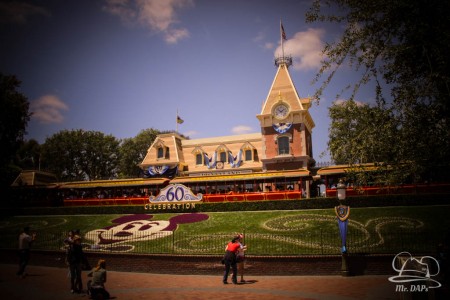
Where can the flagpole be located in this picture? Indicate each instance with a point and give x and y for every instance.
(281, 38)
(287, 61)
(176, 120)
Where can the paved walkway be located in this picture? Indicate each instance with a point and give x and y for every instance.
(53, 283)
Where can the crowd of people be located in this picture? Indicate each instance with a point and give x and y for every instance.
(76, 261)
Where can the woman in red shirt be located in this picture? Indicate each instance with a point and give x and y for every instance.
(230, 260)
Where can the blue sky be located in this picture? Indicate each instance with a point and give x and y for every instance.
(121, 66)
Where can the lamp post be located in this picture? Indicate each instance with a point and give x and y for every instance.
(342, 212)
(341, 191)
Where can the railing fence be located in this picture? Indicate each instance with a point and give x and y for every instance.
(280, 244)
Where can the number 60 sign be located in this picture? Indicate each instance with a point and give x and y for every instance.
(175, 193)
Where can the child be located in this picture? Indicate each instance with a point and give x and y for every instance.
(240, 256)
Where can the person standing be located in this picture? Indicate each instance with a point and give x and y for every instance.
(25, 241)
(230, 260)
(75, 259)
(240, 257)
(68, 243)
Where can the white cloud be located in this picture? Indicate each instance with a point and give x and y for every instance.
(48, 109)
(305, 48)
(173, 35)
(269, 46)
(342, 102)
(241, 129)
(190, 133)
(19, 12)
(260, 37)
(157, 15)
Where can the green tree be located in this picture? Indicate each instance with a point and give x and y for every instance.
(28, 155)
(403, 47)
(360, 133)
(81, 155)
(133, 151)
(14, 117)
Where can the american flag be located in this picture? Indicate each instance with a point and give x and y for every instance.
(283, 34)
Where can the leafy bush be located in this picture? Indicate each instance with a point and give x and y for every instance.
(313, 203)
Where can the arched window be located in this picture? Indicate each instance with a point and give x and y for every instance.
(222, 153)
(249, 153)
(283, 145)
(162, 151)
(199, 155)
(223, 156)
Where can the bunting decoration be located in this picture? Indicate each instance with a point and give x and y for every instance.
(235, 162)
(282, 127)
(161, 171)
(210, 163)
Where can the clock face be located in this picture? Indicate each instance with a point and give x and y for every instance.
(281, 111)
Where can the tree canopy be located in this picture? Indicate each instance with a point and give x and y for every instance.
(133, 151)
(28, 155)
(403, 47)
(81, 155)
(355, 133)
(14, 117)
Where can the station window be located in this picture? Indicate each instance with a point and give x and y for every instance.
(160, 152)
(223, 156)
(199, 159)
(248, 154)
(283, 145)
(222, 153)
(199, 156)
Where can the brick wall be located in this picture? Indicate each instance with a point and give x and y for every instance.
(210, 265)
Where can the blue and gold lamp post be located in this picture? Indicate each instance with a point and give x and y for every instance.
(342, 214)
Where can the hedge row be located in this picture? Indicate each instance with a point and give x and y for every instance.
(314, 203)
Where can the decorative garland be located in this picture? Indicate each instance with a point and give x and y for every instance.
(210, 163)
(158, 171)
(282, 127)
(232, 160)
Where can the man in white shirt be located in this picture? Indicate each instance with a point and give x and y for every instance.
(25, 242)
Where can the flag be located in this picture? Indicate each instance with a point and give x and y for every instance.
(179, 120)
(283, 34)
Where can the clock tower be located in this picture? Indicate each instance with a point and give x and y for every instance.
(286, 125)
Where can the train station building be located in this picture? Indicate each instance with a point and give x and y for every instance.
(278, 158)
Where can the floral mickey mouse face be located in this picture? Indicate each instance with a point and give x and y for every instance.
(135, 228)
(130, 231)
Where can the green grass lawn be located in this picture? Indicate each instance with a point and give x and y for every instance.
(371, 230)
